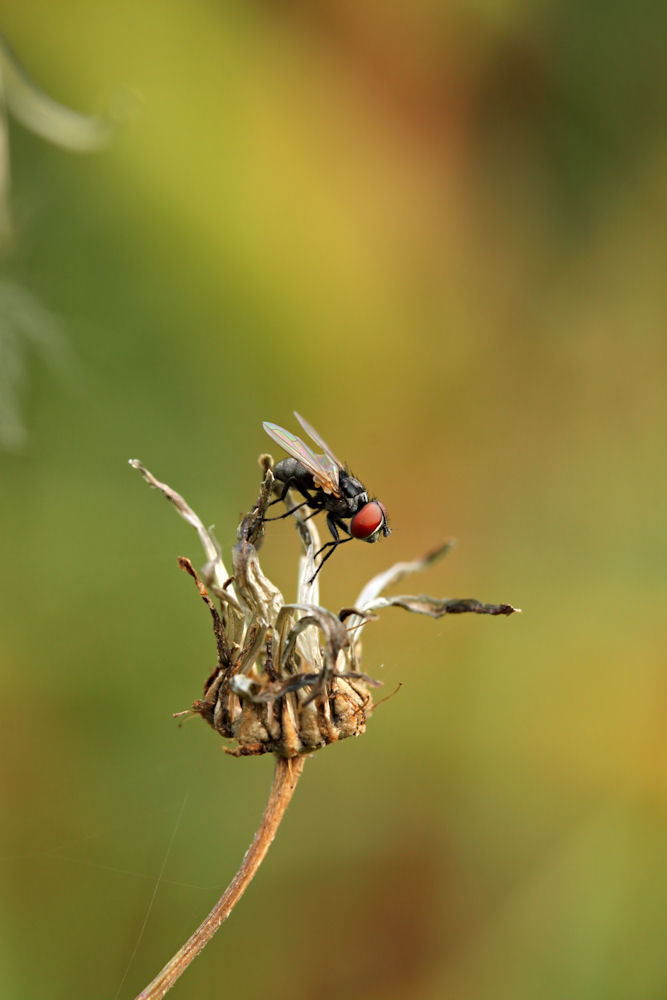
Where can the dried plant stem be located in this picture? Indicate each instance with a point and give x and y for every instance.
(285, 778)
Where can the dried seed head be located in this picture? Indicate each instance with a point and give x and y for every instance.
(286, 679)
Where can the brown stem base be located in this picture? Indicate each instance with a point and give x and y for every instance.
(285, 778)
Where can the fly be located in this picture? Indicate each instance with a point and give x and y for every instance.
(326, 484)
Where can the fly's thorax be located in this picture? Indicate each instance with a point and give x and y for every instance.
(354, 492)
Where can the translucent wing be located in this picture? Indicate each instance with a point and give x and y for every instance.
(321, 467)
(311, 432)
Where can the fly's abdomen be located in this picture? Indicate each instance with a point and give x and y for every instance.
(289, 470)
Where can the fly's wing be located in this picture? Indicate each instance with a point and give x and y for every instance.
(323, 471)
(311, 432)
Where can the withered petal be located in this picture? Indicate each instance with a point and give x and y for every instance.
(423, 604)
(398, 571)
(211, 547)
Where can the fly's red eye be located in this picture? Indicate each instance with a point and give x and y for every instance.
(367, 520)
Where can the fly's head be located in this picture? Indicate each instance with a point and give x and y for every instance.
(370, 522)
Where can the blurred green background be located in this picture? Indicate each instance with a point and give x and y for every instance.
(436, 231)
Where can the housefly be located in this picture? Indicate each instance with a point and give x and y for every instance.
(326, 484)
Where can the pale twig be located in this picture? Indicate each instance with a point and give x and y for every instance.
(285, 778)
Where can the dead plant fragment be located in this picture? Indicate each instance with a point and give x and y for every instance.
(287, 678)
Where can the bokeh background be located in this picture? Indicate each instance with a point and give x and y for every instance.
(436, 230)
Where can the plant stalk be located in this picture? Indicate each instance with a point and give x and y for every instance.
(285, 777)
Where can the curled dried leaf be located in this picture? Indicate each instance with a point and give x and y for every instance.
(399, 571)
(218, 625)
(253, 688)
(209, 543)
(257, 595)
(336, 638)
(422, 604)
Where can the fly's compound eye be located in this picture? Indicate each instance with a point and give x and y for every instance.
(368, 521)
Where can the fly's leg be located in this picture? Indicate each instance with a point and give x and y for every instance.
(333, 523)
(332, 546)
(282, 496)
(308, 502)
(304, 503)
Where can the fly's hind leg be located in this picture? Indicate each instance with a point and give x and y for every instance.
(308, 502)
(283, 494)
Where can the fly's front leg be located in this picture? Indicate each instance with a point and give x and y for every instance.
(333, 523)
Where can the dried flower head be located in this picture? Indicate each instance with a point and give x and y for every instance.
(287, 677)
